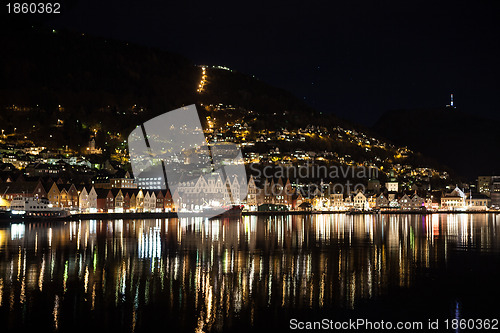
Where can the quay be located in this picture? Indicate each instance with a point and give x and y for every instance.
(5, 218)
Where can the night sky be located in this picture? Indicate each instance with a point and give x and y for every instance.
(356, 59)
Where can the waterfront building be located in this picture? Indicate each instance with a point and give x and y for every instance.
(495, 191)
(252, 192)
(478, 201)
(40, 190)
(235, 190)
(133, 202)
(297, 200)
(139, 201)
(92, 200)
(454, 200)
(417, 202)
(54, 195)
(160, 201)
(168, 202)
(382, 201)
(83, 200)
(282, 194)
(404, 202)
(150, 201)
(126, 202)
(119, 200)
(360, 201)
(146, 202)
(348, 203)
(372, 201)
(484, 185)
(68, 196)
(337, 201)
(105, 200)
(266, 195)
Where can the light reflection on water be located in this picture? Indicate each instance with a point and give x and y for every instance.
(205, 275)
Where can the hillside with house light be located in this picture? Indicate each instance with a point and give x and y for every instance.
(75, 98)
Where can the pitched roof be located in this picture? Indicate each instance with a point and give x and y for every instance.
(102, 193)
(18, 188)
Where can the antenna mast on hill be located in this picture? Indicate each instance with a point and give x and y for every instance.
(451, 102)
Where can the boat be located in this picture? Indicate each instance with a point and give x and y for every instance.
(35, 208)
(230, 211)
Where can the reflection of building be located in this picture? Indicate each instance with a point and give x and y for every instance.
(224, 272)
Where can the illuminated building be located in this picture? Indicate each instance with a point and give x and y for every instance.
(392, 184)
(483, 184)
(495, 191)
(454, 200)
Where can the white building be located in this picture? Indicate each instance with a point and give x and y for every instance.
(360, 201)
(454, 200)
(252, 192)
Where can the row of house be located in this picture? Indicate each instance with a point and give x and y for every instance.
(455, 200)
(210, 190)
(88, 198)
(119, 200)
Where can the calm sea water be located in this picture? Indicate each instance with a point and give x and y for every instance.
(249, 274)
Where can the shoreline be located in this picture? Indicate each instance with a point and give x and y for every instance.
(151, 215)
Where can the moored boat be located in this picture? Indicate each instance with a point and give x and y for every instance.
(35, 208)
(231, 211)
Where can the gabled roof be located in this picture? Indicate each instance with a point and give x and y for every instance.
(115, 192)
(102, 193)
(121, 174)
(456, 193)
(66, 187)
(130, 191)
(18, 188)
